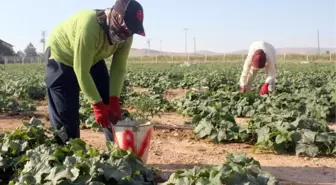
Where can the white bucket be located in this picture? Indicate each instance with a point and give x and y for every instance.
(136, 138)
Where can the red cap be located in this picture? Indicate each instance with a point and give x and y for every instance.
(259, 59)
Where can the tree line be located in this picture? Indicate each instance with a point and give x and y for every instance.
(29, 51)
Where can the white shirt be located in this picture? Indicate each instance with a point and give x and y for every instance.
(249, 72)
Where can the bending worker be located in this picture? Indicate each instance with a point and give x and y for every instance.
(261, 55)
(76, 50)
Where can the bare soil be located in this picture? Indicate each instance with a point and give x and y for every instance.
(172, 94)
(169, 94)
(173, 149)
(139, 89)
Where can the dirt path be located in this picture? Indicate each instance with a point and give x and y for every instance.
(174, 149)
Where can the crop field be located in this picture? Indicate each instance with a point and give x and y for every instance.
(205, 130)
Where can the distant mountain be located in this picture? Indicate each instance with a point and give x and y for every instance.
(206, 52)
(238, 52)
(304, 50)
(152, 52)
(280, 51)
(142, 52)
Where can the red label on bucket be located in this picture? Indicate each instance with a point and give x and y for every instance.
(128, 142)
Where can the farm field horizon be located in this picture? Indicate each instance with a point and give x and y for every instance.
(200, 118)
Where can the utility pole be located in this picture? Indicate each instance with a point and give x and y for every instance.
(43, 40)
(148, 46)
(160, 47)
(186, 40)
(195, 45)
(318, 42)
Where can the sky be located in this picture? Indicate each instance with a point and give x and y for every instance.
(216, 25)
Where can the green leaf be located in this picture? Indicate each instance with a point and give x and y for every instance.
(280, 139)
(296, 137)
(203, 129)
(307, 149)
(111, 173)
(196, 118)
(96, 183)
(308, 137)
(59, 173)
(222, 135)
(263, 134)
(266, 179)
(322, 137)
(70, 161)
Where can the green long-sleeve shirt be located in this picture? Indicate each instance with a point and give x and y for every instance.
(80, 42)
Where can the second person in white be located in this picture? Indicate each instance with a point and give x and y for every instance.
(261, 55)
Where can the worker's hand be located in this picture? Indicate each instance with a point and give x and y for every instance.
(101, 113)
(243, 89)
(115, 109)
(264, 89)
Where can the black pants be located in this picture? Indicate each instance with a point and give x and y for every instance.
(63, 95)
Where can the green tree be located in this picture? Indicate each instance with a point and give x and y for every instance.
(20, 54)
(30, 51)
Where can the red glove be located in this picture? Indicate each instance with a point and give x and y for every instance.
(264, 89)
(114, 108)
(101, 113)
(243, 88)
